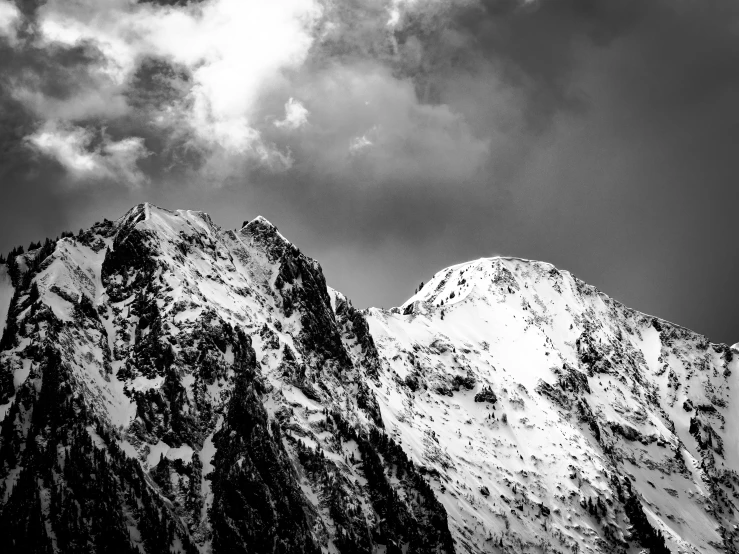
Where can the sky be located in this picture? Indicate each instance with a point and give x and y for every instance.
(389, 139)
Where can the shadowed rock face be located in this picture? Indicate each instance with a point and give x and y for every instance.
(167, 386)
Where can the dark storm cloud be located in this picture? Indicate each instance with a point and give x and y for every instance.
(403, 136)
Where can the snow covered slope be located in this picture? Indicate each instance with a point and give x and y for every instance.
(169, 386)
(531, 397)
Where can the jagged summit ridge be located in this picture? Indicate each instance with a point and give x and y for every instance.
(226, 399)
(149, 212)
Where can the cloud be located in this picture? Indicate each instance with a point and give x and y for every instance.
(86, 103)
(455, 93)
(10, 18)
(439, 91)
(296, 115)
(86, 157)
(358, 144)
(199, 79)
(234, 50)
(368, 124)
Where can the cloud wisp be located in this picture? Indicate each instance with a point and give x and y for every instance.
(87, 159)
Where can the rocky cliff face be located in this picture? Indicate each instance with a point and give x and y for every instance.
(167, 386)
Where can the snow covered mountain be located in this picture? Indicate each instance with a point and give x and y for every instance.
(553, 417)
(167, 386)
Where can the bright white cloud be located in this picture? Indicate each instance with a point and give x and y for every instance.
(73, 148)
(236, 50)
(296, 115)
(10, 18)
(398, 7)
(359, 143)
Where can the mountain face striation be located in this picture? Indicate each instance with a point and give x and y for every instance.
(168, 386)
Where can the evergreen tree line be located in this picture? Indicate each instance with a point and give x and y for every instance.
(419, 520)
(646, 535)
(89, 497)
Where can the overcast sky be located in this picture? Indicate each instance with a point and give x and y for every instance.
(389, 139)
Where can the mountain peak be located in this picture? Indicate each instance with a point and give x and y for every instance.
(459, 281)
(261, 221)
(143, 210)
(226, 396)
(263, 229)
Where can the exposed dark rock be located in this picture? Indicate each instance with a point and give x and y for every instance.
(486, 395)
(626, 431)
(553, 394)
(257, 500)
